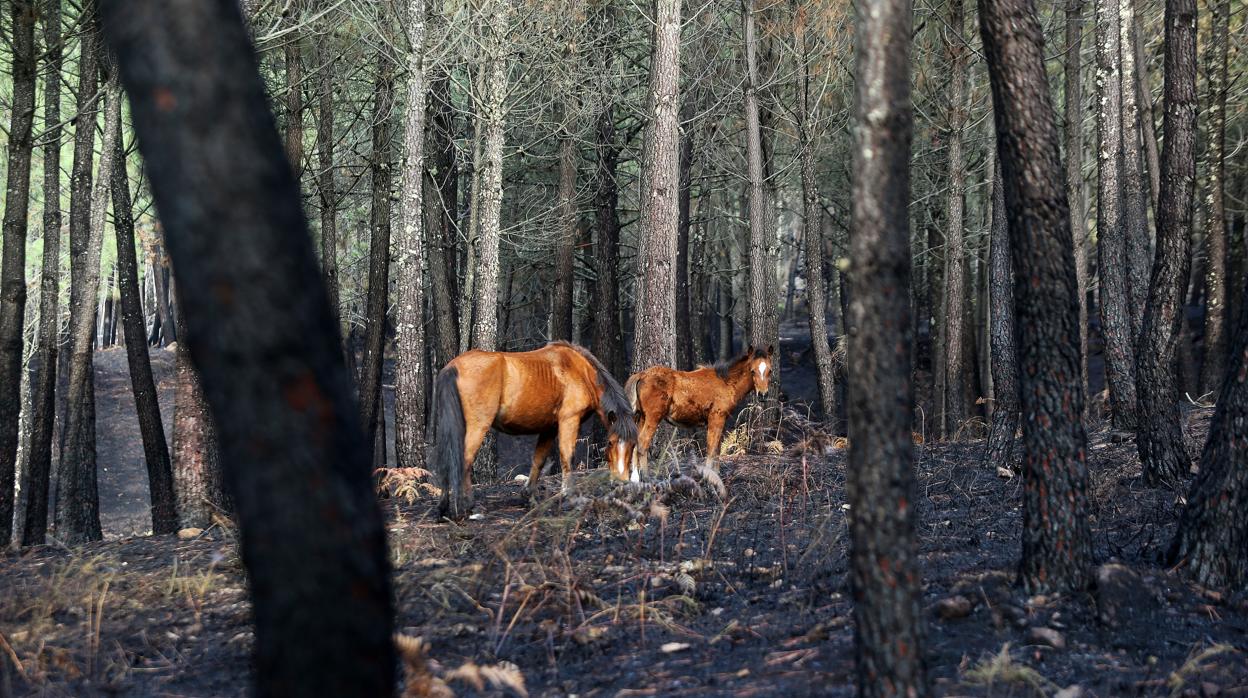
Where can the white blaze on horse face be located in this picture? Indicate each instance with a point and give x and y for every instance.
(621, 465)
(762, 369)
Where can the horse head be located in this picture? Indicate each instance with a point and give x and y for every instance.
(761, 367)
(621, 440)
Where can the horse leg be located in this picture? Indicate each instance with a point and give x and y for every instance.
(569, 427)
(474, 434)
(544, 444)
(714, 432)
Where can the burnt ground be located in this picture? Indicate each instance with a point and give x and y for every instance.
(618, 594)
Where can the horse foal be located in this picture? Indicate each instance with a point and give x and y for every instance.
(702, 397)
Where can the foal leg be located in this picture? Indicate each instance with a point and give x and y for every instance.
(544, 444)
(569, 427)
(714, 433)
(645, 435)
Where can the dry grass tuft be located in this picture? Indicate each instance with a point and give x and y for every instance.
(1001, 668)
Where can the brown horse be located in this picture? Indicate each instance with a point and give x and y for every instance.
(705, 396)
(547, 391)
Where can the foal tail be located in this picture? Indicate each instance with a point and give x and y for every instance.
(448, 450)
(631, 389)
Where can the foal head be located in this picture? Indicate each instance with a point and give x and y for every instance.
(761, 368)
(621, 440)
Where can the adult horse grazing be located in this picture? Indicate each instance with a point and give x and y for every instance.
(547, 391)
(705, 396)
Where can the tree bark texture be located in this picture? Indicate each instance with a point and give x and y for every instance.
(199, 480)
(884, 569)
(1001, 332)
(608, 344)
(1135, 206)
(1075, 191)
(325, 177)
(953, 410)
(1216, 237)
(1159, 433)
(565, 246)
(259, 328)
(442, 233)
(1057, 545)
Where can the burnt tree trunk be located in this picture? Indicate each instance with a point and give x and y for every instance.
(325, 56)
(565, 245)
(199, 481)
(1159, 432)
(654, 343)
(1115, 303)
(1135, 208)
(37, 473)
(1075, 191)
(155, 449)
(409, 316)
(294, 89)
(1216, 237)
(78, 501)
(952, 405)
(442, 197)
(371, 403)
(1001, 332)
(683, 329)
(296, 462)
(608, 344)
(884, 568)
(13, 257)
(1057, 545)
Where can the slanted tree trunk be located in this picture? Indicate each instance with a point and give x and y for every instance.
(325, 57)
(812, 222)
(953, 409)
(409, 318)
(1213, 369)
(155, 449)
(1115, 305)
(1001, 332)
(1159, 432)
(371, 403)
(884, 567)
(1135, 208)
(608, 344)
(13, 257)
(565, 245)
(312, 534)
(1057, 545)
(655, 343)
(1211, 543)
(78, 502)
(1073, 111)
(37, 473)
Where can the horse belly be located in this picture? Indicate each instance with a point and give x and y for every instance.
(529, 402)
(687, 413)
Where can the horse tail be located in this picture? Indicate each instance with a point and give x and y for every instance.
(632, 389)
(448, 434)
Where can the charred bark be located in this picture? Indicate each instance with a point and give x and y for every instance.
(1216, 238)
(565, 247)
(1001, 333)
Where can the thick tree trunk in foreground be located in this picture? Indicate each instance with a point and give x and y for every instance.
(884, 569)
(409, 313)
(812, 230)
(1075, 191)
(1159, 432)
(155, 449)
(1212, 540)
(371, 403)
(1216, 331)
(13, 257)
(37, 473)
(952, 405)
(1115, 303)
(296, 462)
(655, 343)
(78, 501)
(1001, 332)
(608, 344)
(1057, 545)
(565, 246)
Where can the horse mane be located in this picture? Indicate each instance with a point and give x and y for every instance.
(724, 368)
(613, 399)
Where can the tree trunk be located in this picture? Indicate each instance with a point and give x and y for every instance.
(379, 247)
(294, 91)
(36, 474)
(1057, 544)
(683, 328)
(155, 449)
(1159, 435)
(565, 245)
(1144, 98)
(1135, 206)
(409, 319)
(1115, 305)
(1209, 543)
(78, 501)
(325, 178)
(1074, 178)
(654, 343)
(884, 568)
(270, 360)
(13, 259)
(198, 478)
(442, 197)
(1001, 329)
(492, 117)
(1213, 370)
(952, 406)
(812, 224)
(608, 343)
(764, 323)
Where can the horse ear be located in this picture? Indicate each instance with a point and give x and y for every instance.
(771, 348)
(751, 351)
